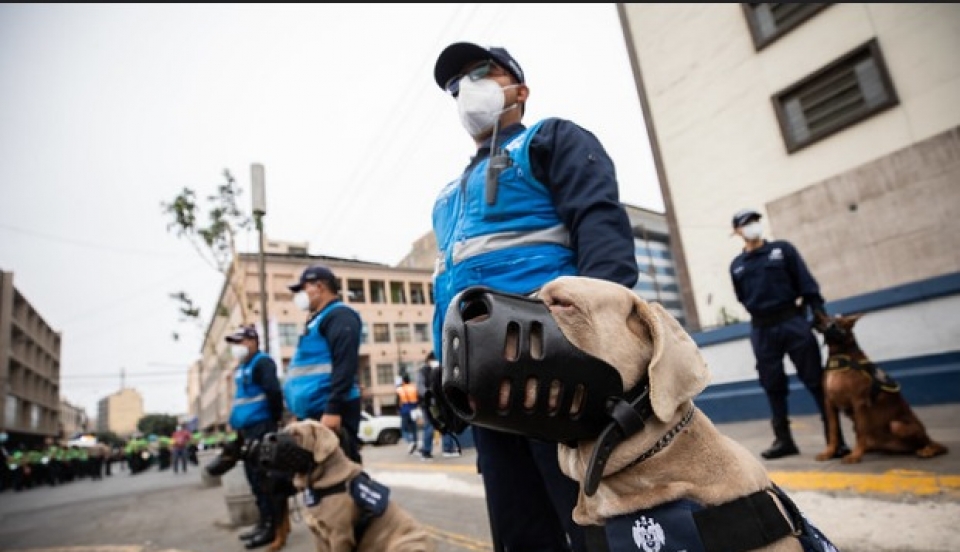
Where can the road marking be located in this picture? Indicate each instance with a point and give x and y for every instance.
(893, 482)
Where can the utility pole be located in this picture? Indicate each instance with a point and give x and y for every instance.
(259, 195)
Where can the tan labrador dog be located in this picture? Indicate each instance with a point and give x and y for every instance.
(334, 516)
(679, 454)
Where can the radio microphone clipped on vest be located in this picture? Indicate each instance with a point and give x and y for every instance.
(498, 162)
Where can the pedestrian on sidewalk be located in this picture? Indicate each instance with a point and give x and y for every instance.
(180, 447)
(407, 399)
(423, 383)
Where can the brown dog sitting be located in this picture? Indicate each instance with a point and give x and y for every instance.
(346, 510)
(852, 384)
(588, 353)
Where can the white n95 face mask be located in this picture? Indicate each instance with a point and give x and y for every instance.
(752, 231)
(480, 103)
(302, 301)
(238, 351)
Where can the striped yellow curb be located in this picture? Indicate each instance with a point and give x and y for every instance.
(893, 482)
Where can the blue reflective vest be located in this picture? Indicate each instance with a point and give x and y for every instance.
(306, 387)
(515, 245)
(250, 404)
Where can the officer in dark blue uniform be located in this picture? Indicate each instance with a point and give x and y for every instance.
(773, 283)
(533, 204)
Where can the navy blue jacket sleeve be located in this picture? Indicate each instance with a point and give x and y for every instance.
(342, 328)
(265, 375)
(807, 286)
(573, 164)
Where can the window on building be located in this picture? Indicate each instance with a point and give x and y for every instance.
(366, 379)
(430, 293)
(402, 331)
(364, 333)
(398, 294)
(386, 374)
(421, 332)
(847, 91)
(770, 21)
(417, 295)
(378, 291)
(355, 293)
(381, 333)
(289, 334)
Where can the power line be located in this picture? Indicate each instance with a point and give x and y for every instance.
(88, 245)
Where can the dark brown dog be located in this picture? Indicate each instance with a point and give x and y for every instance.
(282, 531)
(882, 419)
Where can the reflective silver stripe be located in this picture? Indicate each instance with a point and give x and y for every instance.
(307, 370)
(493, 242)
(258, 398)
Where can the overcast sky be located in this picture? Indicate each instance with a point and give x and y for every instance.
(108, 110)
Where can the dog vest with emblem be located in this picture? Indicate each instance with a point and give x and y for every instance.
(743, 524)
(371, 497)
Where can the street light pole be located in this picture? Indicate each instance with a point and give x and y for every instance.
(260, 209)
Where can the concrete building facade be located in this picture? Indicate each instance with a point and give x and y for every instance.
(395, 303)
(29, 369)
(120, 412)
(840, 123)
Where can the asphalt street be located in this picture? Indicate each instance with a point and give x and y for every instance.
(886, 503)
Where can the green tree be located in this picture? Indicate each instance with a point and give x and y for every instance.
(214, 241)
(157, 424)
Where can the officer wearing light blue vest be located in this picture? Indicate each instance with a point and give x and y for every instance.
(257, 410)
(533, 204)
(321, 381)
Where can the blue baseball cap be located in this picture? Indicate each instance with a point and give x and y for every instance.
(315, 273)
(456, 56)
(245, 332)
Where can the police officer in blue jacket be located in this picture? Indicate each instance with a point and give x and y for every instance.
(321, 381)
(257, 410)
(773, 283)
(533, 204)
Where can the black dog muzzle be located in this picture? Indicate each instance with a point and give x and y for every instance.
(280, 451)
(507, 366)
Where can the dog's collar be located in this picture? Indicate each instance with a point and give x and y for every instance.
(594, 471)
(628, 419)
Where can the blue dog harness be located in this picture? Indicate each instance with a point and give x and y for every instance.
(370, 496)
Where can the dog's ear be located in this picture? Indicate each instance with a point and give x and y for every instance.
(325, 442)
(677, 371)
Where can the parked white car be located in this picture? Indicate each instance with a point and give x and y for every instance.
(379, 430)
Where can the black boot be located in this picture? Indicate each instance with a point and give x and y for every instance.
(264, 537)
(783, 444)
(253, 531)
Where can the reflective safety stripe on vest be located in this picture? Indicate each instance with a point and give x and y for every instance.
(306, 386)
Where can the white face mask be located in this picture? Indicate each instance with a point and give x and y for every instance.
(433, 363)
(751, 231)
(238, 351)
(302, 300)
(480, 103)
